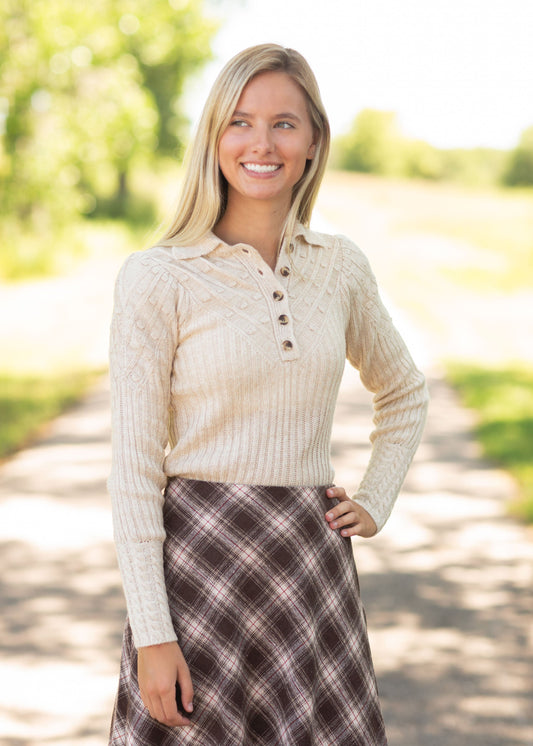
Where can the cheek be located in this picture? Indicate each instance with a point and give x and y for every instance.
(225, 161)
(298, 151)
(300, 157)
(224, 148)
(229, 146)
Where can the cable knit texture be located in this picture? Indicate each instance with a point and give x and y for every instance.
(224, 370)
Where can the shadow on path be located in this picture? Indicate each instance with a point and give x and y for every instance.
(62, 608)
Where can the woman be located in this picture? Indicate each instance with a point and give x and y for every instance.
(228, 345)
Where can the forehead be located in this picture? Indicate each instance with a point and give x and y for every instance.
(273, 89)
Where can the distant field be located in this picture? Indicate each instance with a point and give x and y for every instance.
(496, 221)
(458, 262)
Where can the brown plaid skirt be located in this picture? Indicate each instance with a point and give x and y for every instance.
(265, 601)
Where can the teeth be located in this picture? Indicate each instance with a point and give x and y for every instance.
(261, 168)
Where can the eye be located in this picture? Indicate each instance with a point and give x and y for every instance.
(284, 125)
(238, 123)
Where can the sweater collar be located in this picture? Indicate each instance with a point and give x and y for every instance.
(210, 242)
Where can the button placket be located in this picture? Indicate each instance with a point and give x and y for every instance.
(285, 330)
(277, 300)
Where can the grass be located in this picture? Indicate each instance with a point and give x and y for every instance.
(28, 402)
(47, 342)
(496, 221)
(48, 357)
(47, 369)
(503, 401)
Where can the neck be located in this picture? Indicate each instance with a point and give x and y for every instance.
(256, 224)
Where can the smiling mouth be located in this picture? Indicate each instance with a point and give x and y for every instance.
(262, 168)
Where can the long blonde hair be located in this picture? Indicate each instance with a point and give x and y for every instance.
(204, 195)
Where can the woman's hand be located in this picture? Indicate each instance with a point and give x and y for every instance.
(158, 669)
(349, 516)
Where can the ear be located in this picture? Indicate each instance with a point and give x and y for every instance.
(311, 152)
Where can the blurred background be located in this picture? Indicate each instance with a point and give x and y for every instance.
(432, 114)
(431, 105)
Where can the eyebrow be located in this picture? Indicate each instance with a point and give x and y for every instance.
(281, 115)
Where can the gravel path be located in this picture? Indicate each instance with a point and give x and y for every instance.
(447, 585)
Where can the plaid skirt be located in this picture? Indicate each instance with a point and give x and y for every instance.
(265, 601)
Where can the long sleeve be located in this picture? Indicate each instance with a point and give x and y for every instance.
(142, 349)
(386, 368)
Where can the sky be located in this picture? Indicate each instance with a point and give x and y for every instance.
(458, 73)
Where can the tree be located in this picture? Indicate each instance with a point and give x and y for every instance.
(376, 145)
(520, 168)
(373, 145)
(86, 90)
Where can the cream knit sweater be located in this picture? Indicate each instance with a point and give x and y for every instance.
(226, 371)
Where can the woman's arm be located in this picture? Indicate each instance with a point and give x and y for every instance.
(377, 350)
(143, 345)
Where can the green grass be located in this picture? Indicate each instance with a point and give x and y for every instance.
(55, 370)
(28, 402)
(503, 401)
(497, 221)
(43, 376)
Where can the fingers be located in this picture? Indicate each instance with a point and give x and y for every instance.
(159, 668)
(184, 688)
(171, 716)
(163, 708)
(348, 516)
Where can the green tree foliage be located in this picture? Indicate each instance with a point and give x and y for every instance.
(520, 168)
(86, 90)
(372, 145)
(375, 144)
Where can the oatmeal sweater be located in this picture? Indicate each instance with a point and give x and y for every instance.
(227, 371)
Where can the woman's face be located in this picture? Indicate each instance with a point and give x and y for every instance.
(264, 150)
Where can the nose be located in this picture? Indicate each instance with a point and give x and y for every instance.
(263, 140)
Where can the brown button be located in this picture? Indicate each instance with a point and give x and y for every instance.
(283, 319)
(291, 248)
(260, 271)
(246, 251)
(285, 271)
(277, 295)
(287, 344)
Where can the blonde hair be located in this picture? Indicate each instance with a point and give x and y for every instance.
(204, 195)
